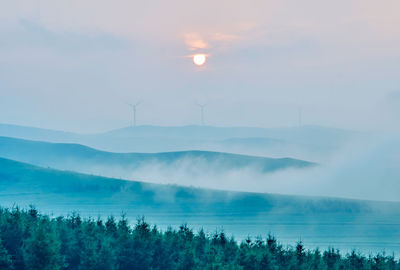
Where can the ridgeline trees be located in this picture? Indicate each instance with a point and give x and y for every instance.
(30, 241)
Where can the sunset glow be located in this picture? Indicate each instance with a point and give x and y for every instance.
(199, 59)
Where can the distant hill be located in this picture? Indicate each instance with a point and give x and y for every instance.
(40, 134)
(84, 159)
(306, 142)
(295, 134)
(240, 213)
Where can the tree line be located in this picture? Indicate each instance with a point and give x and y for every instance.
(30, 240)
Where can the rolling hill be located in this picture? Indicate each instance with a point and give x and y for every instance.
(34, 133)
(306, 142)
(88, 160)
(367, 225)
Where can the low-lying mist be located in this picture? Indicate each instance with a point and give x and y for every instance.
(366, 169)
(361, 166)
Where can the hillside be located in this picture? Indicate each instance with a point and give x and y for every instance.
(289, 217)
(84, 159)
(22, 177)
(34, 133)
(307, 142)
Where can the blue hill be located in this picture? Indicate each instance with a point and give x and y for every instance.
(368, 225)
(307, 142)
(82, 158)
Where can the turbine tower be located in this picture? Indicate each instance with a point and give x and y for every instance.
(134, 112)
(202, 106)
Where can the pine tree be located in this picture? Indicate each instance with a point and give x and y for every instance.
(13, 235)
(300, 254)
(267, 262)
(42, 249)
(5, 258)
(331, 258)
(316, 261)
(187, 260)
(354, 261)
(96, 251)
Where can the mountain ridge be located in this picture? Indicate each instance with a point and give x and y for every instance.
(77, 156)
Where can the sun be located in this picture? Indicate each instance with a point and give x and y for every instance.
(199, 59)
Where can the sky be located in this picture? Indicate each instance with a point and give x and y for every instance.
(76, 65)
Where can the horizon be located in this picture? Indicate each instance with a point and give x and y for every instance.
(181, 126)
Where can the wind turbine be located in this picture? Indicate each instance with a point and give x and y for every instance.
(134, 112)
(202, 106)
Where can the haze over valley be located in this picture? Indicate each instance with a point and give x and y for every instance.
(362, 162)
